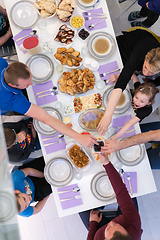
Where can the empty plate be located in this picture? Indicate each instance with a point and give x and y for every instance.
(43, 128)
(7, 209)
(124, 102)
(101, 187)
(131, 156)
(24, 14)
(58, 172)
(101, 45)
(41, 67)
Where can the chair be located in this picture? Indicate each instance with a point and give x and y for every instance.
(130, 5)
(7, 52)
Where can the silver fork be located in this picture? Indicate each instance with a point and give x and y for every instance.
(89, 14)
(89, 18)
(104, 74)
(129, 180)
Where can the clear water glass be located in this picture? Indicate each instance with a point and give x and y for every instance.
(42, 24)
(59, 68)
(100, 84)
(78, 176)
(84, 51)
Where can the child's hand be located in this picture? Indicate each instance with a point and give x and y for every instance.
(30, 125)
(113, 78)
(94, 216)
(21, 136)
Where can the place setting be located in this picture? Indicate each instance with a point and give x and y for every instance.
(88, 4)
(106, 70)
(130, 180)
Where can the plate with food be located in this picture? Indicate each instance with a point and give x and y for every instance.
(69, 58)
(78, 157)
(58, 172)
(77, 81)
(131, 156)
(46, 9)
(124, 102)
(65, 35)
(101, 187)
(43, 128)
(65, 10)
(90, 118)
(87, 102)
(23, 14)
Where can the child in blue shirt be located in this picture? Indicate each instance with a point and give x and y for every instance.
(30, 185)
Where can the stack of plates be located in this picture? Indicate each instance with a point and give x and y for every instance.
(121, 108)
(91, 45)
(131, 156)
(41, 67)
(101, 187)
(43, 128)
(7, 209)
(58, 172)
(24, 14)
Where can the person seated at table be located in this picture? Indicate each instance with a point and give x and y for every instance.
(29, 186)
(150, 133)
(5, 30)
(21, 140)
(140, 52)
(127, 225)
(14, 78)
(143, 98)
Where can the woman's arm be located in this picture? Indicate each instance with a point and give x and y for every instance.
(124, 129)
(38, 207)
(112, 103)
(32, 172)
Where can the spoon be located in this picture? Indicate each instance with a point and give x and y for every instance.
(50, 89)
(93, 25)
(76, 197)
(59, 136)
(33, 32)
(129, 180)
(121, 171)
(75, 189)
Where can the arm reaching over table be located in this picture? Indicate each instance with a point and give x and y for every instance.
(113, 146)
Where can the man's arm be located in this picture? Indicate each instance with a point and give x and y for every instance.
(43, 116)
(113, 146)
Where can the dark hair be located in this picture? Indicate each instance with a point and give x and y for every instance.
(119, 236)
(17, 202)
(9, 136)
(15, 71)
(149, 89)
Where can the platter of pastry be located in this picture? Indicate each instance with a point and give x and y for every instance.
(65, 9)
(65, 35)
(77, 81)
(69, 58)
(46, 8)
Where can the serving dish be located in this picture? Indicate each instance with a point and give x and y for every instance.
(101, 187)
(121, 108)
(46, 9)
(90, 118)
(99, 35)
(65, 35)
(131, 156)
(58, 172)
(43, 128)
(23, 14)
(41, 67)
(79, 148)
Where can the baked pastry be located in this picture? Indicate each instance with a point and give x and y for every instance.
(62, 14)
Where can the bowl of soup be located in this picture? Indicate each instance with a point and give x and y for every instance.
(102, 45)
(86, 3)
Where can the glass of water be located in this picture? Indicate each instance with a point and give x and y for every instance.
(59, 68)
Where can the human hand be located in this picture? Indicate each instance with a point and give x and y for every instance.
(113, 78)
(103, 124)
(111, 146)
(87, 140)
(30, 125)
(94, 216)
(104, 158)
(134, 78)
(21, 136)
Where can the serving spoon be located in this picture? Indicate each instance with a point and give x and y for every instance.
(33, 32)
(93, 24)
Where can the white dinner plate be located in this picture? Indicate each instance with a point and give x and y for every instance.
(24, 14)
(41, 67)
(121, 108)
(131, 156)
(58, 172)
(43, 128)
(101, 187)
(7, 210)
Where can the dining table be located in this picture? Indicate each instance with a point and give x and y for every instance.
(145, 183)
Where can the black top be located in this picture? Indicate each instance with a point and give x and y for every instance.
(133, 47)
(20, 152)
(143, 112)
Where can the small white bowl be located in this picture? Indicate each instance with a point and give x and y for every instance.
(76, 15)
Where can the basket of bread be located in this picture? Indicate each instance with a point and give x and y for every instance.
(46, 8)
(65, 9)
(76, 81)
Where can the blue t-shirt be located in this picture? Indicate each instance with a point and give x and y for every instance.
(11, 99)
(25, 185)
